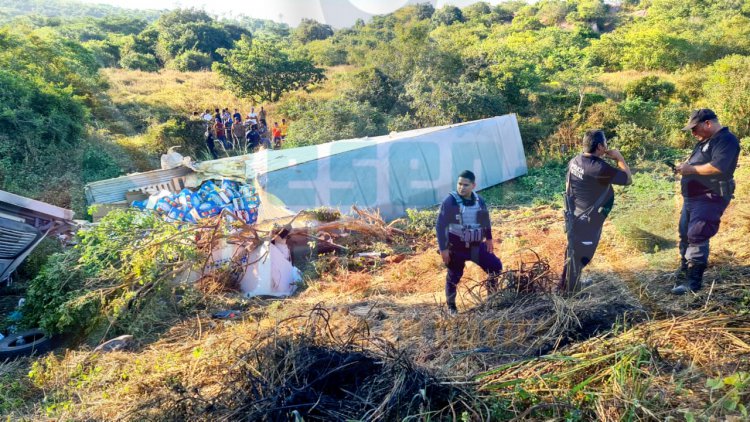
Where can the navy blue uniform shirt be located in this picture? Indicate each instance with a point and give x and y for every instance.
(590, 177)
(721, 150)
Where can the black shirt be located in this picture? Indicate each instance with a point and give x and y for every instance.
(721, 150)
(590, 178)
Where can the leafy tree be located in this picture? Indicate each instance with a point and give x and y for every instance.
(189, 29)
(263, 69)
(311, 30)
(408, 14)
(264, 26)
(442, 102)
(477, 10)
(579, 80)
(327, 52)
(644, 47)
(505, 11)
(373, 86)
(552, 12)
(106, 52)
(122, 24)
(588, 11)
(447, 15)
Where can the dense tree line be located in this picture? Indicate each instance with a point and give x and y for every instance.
(421, 67)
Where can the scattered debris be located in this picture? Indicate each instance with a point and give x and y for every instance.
(230, 314)
(116, 344)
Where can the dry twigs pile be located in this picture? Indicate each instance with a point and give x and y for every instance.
(624, 374)
(512, 325)
(532, 274)
(302, 370)
(364, 226)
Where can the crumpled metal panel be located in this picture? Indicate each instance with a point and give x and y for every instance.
(114, 190)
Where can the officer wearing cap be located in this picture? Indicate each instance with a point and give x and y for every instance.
(590, 199)
(707, 187)
(464, 234)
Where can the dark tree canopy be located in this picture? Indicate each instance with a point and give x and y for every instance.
(447, 15)
(311, 30)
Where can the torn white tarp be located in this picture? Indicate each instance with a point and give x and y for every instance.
(270, 272)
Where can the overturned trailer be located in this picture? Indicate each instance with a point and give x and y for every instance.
(24, 223)
(390, 173)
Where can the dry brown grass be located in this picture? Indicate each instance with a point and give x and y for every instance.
(183, 92)
(632, 375)
(186, 92)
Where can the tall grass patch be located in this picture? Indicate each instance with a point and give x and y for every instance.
(645, 213)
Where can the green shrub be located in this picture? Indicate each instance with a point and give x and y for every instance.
(117, 264)
(139, 61)
(191, 61)
(327, 52)
(176, 131)
(650, 88)
(727, 91)
(421, 222)
(97, 164)
(633, 141)
(316, 122)
(640, 112)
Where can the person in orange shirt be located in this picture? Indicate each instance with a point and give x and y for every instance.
(276, 134)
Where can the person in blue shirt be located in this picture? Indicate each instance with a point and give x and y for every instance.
(589, 185)
(707, 186)
(464, 234)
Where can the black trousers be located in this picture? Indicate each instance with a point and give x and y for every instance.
(490, 263)
(582, 242)
(699, 222)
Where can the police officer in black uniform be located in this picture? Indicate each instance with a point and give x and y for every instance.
(590, 199)
(707, 187)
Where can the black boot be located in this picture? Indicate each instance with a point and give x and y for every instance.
(694, 279)
(451, 301)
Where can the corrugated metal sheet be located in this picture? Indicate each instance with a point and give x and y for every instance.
(15, 238)
(114, 190)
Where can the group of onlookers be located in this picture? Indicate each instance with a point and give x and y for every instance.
(248, 135)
